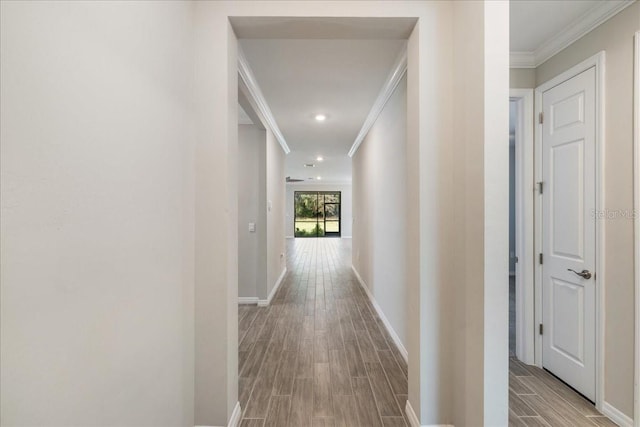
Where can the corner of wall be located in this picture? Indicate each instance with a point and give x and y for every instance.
(274, 290)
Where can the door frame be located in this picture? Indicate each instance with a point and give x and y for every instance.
(636, 197)
(525, 339)
(339, 233)
(598, 62)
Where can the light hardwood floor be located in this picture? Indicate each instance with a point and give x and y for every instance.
(319, 355)
(537, 398)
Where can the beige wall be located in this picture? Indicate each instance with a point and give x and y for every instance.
(429, 129)
(522, 78)
(460, 371)
(251, 209)
(260, 181)
(615, 37)
(216, 216)
(379, 234)
(430, 254)
(97, 218)
(480, 215)
(276, 196)
(107, 174)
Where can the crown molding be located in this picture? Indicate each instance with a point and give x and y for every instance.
(522, 60)
(261, 103)
(398, 71)
(586, 23)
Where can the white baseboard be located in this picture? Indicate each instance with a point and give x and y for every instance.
(413, 418)
(394, 335)
(248, 300)
(266, 302)
(346, 237)
(236, 415)
(615, 415)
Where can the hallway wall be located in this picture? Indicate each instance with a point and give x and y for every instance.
(379, 205)
(522, 78)
(346, 205)
(97, 248)
(103, 191)
(276, 243)
(512, 208)
(252, 195)
(480, 212)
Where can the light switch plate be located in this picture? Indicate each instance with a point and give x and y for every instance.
(252, 227)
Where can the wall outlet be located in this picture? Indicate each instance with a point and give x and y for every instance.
(252, 227)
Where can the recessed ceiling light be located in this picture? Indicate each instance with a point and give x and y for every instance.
(321, 117)
(318, 178)
(319, 158)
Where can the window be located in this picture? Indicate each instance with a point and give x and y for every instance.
(317, 213)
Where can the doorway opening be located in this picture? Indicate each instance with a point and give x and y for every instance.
(563, 334)
(513, 258)
(317, 213)
(521, 226)
(287, 348)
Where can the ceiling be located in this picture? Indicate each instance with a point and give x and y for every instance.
(276, 27)
(338, 78)
(527, 34)
(337, 67)
(540, 29)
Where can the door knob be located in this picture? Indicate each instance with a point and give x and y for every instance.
(585, 274)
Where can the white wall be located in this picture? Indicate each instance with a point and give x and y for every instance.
(97, 210)
(481, 214)
(276, 260)
(97, 214)
(251, 209)
(380, 208)
(216, 217)
(345, 205)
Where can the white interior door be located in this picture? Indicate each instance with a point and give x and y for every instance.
(568, 232)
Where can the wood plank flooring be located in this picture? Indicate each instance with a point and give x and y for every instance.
(319, 355)
(537, 398)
